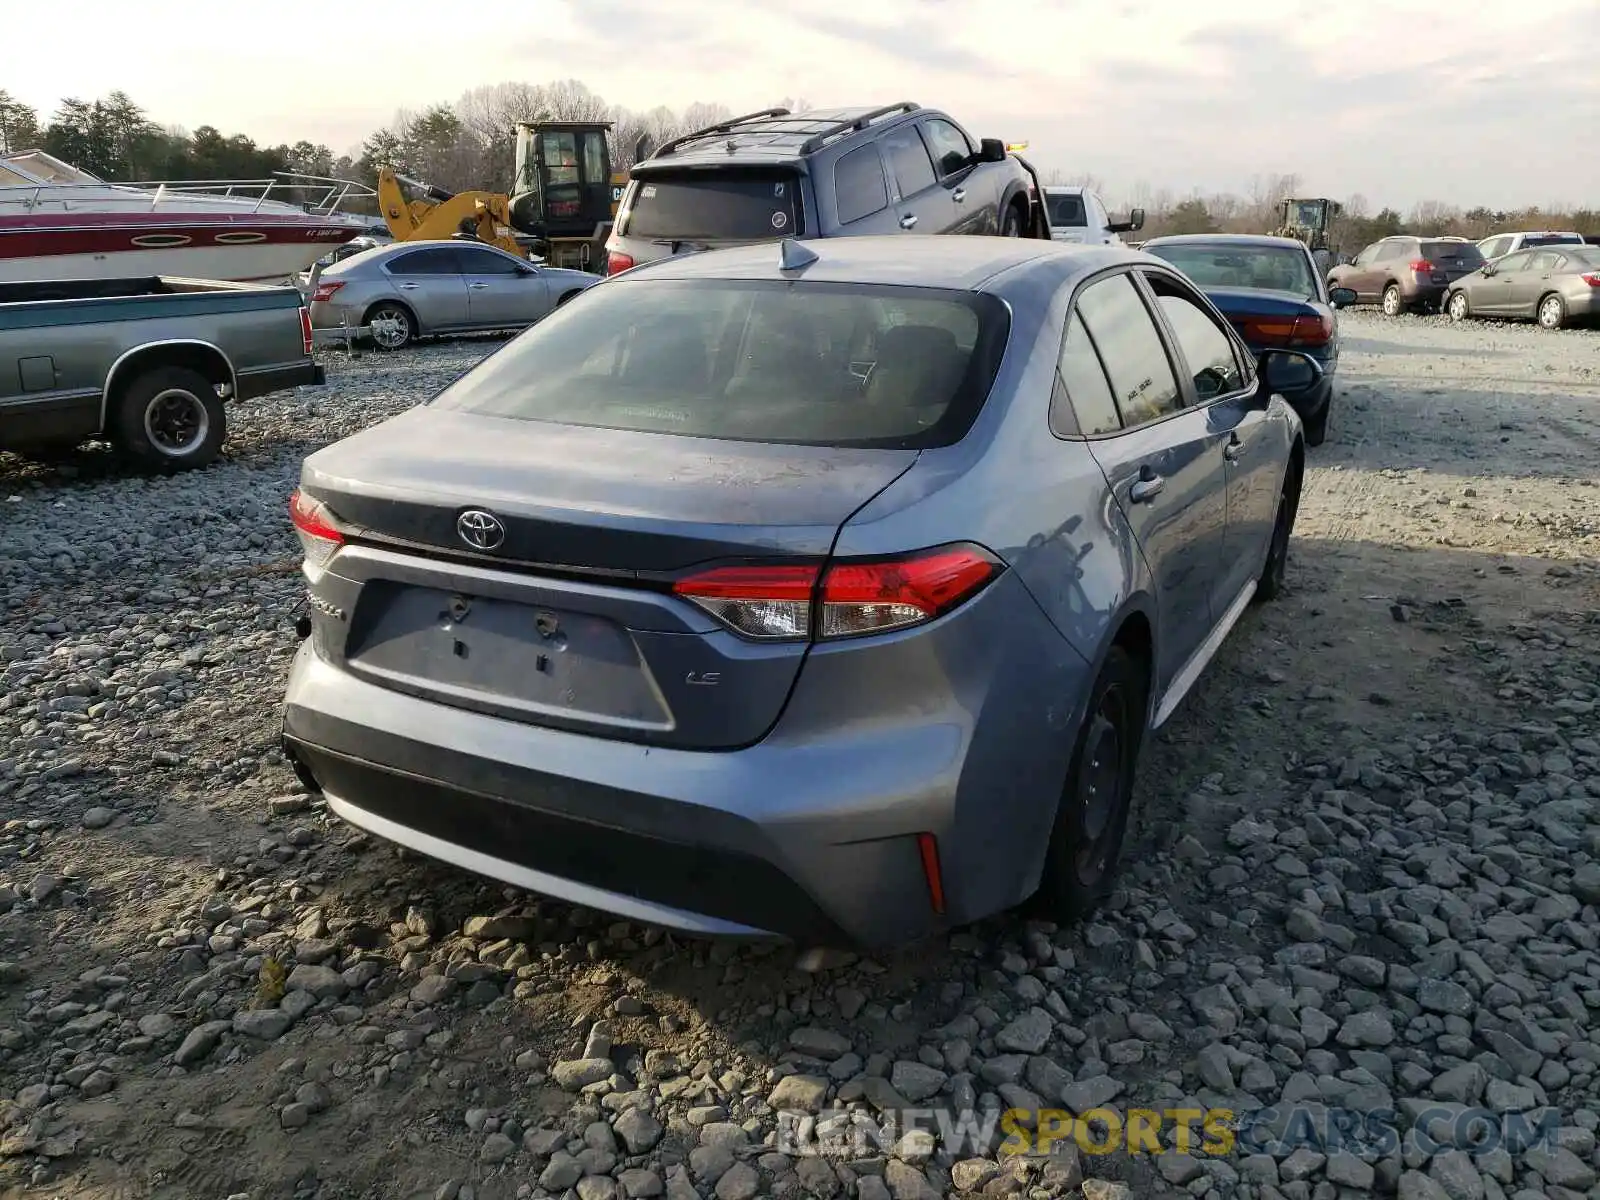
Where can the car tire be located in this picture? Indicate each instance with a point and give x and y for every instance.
(1552, 312)
(1011, 222)
(171, 418)
(1393, 304)
(1275, 571)
(1097, 798)
(398, 327)
(1457, 306)
(565, 296)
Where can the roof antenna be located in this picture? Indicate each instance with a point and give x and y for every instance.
(792, 256)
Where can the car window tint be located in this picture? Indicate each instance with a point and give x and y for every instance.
(1513, 262)
(908, 159)
(1081, 403)
(437, 261)
(1545, 260)
(1136, 361)
(484, 262)
(951, 153)
(859, 188)
(712, 205)
(1206, 349)
(753, 360)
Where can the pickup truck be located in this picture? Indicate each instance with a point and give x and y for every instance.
(147, 363)
(1077, 214)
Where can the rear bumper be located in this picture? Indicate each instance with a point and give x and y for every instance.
(277, 379)
(809, 834)
(1583, 305)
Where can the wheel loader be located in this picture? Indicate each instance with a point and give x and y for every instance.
(563, 199)
(1308, 221)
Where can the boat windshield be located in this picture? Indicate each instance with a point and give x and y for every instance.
(40, 167)
(10, 178)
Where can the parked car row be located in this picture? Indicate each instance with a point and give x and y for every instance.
(822, 589)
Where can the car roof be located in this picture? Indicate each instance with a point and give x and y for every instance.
(927, 260)
(1233, 239)
(1063, 189)
(777, 136)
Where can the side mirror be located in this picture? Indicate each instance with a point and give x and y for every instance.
(1136, 219)
(1488, 269)
(1288, 370)
(1341, 297)
(529, 270)
(991, 150)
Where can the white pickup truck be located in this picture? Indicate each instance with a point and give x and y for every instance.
(1077, 214)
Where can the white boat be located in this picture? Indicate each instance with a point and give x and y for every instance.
(59, 222)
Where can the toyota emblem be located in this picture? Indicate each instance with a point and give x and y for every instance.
(480, 530)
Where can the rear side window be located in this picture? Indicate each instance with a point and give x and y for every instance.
(1457, 253)
(715, 206)
(1136, 361)
(437, 261)
(1065, 210)
(908, 159)
(752, 360)
(859, 188)
(1082, 404)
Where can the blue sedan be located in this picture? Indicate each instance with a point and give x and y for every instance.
(824, 590)
(1269, 288)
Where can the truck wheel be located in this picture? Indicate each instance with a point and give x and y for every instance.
(170, 417)
(1011, 222)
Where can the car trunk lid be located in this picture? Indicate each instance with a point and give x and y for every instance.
(562, 614)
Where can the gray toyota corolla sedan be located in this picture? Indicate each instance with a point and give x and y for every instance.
(815, 589)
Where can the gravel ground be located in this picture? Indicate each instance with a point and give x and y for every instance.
(1366, 877)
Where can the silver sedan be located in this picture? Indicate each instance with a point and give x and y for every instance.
(409, 290)
(1553, 285)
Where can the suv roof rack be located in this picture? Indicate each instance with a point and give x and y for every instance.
(816, 140)
(781, 121)
(727, 126)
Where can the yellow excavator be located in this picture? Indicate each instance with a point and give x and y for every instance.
(561, 207)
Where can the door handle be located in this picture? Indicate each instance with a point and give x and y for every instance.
(477, 287)
(959, 195)
(1146, 487)
(409, 287)
(908, 221)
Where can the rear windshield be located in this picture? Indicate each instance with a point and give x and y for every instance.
(1551, 239)
(1460, 251)
(752, 360)
(715, 206)
(1065, 210)
(1273, 268)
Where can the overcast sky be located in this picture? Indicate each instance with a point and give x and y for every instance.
(1495, 102)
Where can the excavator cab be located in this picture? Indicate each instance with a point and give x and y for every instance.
(563, 189)
(1309, 221)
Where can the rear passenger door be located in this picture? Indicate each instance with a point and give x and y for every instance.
(861, 194)
(1162, 459)
(921, 204)
(1217, 377)
(974, 192)
(430, 284)
(1534, 282)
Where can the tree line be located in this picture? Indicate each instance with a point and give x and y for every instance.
(470, 144)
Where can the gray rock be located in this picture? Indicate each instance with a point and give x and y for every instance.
(433, 989)
(576, 1074)
(98, 817)
(320, 981)
(1457, 1174)
(1560, 1167)
(738, 1182)
(496, 1148)
(638, 1130)
(819, 1043)
(266, 1024)
(561, 1172)
(916, 1081)
(157, 1026)
(1085, 1094)
(200, 1042)
(1445, 996)
(1028, 1034)
(1370, 1028)
(1414, 1185)
(799, 1093)
(640, 1183)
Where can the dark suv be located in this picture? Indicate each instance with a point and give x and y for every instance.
(1405, 272)
(828, 173)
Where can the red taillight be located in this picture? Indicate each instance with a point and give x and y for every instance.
(1422, 266)
(325, 292)
(847, 600)
(305, 330)
(928, 848)
(617, 263)
(1307, 329)
(1592, 278)
(320, 535)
